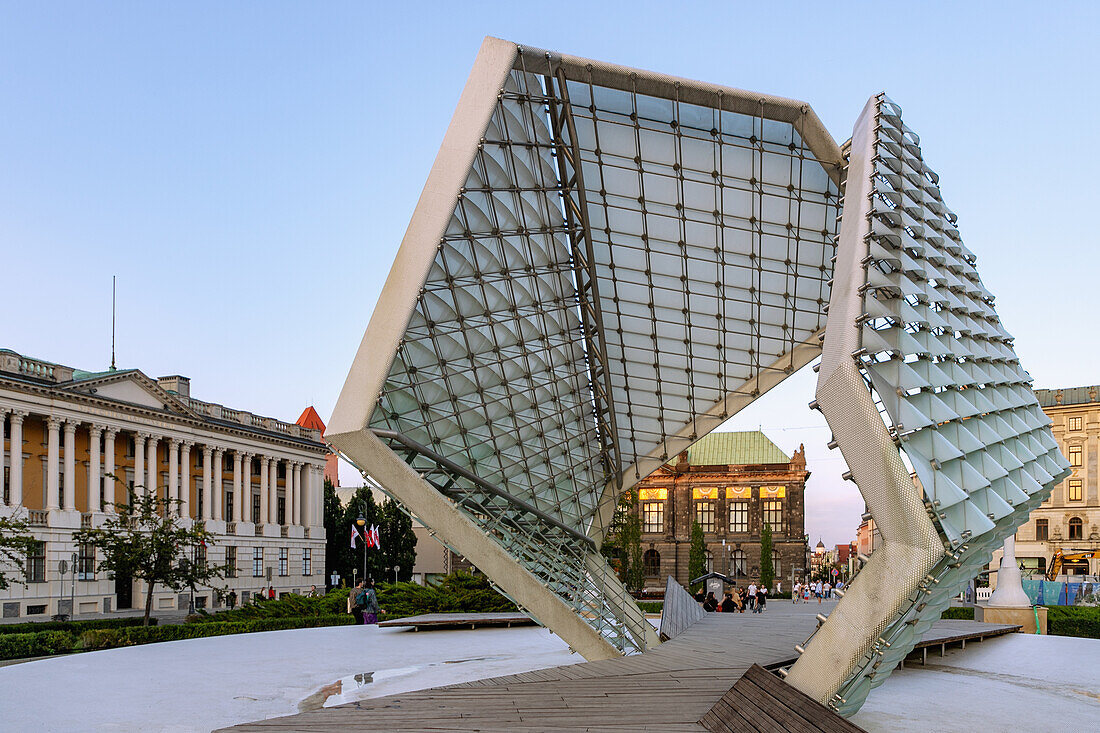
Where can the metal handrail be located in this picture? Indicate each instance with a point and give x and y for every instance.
(481, 483)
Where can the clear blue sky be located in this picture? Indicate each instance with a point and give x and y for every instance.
(248, 169)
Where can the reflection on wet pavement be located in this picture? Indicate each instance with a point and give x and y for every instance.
(354, 687)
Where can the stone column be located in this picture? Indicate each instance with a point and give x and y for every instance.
(265, 465)
(139, 462)
(307, 495)
(208, 483)
(172, 490)
(17, 457)
(109, 494)
(294, 481)
(237, 479)
(70, 465)
(3, 420)
(95, 480)
(217, 490)
(151, 466)
(185, 479)
(53, 452)
(246, 488)
(273, 491)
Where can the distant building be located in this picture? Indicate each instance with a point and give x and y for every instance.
(820, 559)
(310, 420)
(731, 484)
(867, 535)
(255, 482)
(1070, 519)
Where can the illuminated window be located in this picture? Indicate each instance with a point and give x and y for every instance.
(1042, 530)
(739, 516)
(1075, 423)
(704, 515)
(652, 494)
(773, 492)
(743, 492)
(653, 516)
(773, 515)
(1075, 455)
(1076, 529)
(704, 492)
(1073, 489)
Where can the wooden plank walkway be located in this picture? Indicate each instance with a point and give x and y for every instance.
(669, 688)
(460, 620)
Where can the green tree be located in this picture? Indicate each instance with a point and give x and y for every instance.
(334, 541)
(15, 544)
(767, 570)
(697, 557)
(398, 541)
(362, 504)
(145, 539)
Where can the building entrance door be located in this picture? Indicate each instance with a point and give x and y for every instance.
(124, 591)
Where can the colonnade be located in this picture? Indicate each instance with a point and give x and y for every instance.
(303, 482)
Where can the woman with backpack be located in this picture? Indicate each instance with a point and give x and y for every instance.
(366, 602)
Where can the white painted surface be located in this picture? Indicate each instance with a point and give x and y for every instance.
(1019, 682)
(201, 684)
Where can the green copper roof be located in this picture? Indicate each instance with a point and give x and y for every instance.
(750, 446)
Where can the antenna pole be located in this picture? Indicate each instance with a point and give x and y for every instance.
(113, 322)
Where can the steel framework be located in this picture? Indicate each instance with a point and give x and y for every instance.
(606, 264)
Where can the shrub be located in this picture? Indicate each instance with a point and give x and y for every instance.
(959, 612)
(651, 606)
(34, 627)
(41, 644)
(1082, 621)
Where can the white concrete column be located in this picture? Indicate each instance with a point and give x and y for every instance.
(139, 463)
(307, 495)
(265, 465)
(185, 479)
(70, 465)
(217, 490)
(151, 466)
(172, 490)
(17, 457)
(245, 489)
(53, 453)
(237, 479)
(294, 481)
(95, 479)
(207, 483)
(273, 492)
(319, 494)
(110, 494)
(3, 421)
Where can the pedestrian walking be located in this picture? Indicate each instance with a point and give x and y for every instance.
(797, 593)
(752, 596)
(828, 590)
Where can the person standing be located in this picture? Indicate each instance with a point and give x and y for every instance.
(231, 599)
(710, 605)
(370, 604)
(743, 597)
(752, 596)
(796, 592)
(271, 592)
(728, 604)
(828, 590)
(762, 598)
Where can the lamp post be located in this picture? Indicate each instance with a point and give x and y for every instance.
(362, 521)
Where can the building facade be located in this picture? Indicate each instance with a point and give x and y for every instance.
(255, 482)
(731, 484)
(1070, 519)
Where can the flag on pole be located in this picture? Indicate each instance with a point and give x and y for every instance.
(354, 535)
(376, 537)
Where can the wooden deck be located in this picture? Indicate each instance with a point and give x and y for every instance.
(460, 620)
(670, 688)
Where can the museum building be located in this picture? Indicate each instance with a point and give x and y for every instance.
(256, 483)
(1070, 519)
(731, 483)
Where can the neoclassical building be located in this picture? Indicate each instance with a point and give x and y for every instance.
(255, 482)
(731, 484)
(1070, 519)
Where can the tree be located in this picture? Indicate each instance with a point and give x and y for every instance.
(697, 555)
(334, 541)
(398, 540)
(15, 544)
(767, 570)
(350, 562)
(146, 540)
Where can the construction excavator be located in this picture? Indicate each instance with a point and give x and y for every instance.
(1060, 558)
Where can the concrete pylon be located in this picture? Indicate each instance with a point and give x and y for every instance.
(1010, 588)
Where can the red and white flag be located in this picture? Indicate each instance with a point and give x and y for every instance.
(354, 536)
(376, 537)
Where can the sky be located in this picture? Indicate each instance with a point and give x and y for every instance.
(248, 169)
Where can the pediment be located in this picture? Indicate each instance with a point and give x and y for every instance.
(131, 387)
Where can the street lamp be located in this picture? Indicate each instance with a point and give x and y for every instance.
(362, 521)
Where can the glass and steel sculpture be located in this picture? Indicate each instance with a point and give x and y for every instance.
(606, 264)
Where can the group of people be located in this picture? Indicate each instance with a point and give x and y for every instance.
(754, 598)
(363, 602)
(803, 592)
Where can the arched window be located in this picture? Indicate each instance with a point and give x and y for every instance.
(1076, 529)
(775, 564)
(710, 560)
(737, 563)
(651, 561)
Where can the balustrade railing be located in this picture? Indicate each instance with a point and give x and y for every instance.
(231, 528)
(37, 518)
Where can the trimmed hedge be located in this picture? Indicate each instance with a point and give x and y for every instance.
(1083, 621)
(45, 643)
(651, 606)
(965, 613)
(34, 627)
